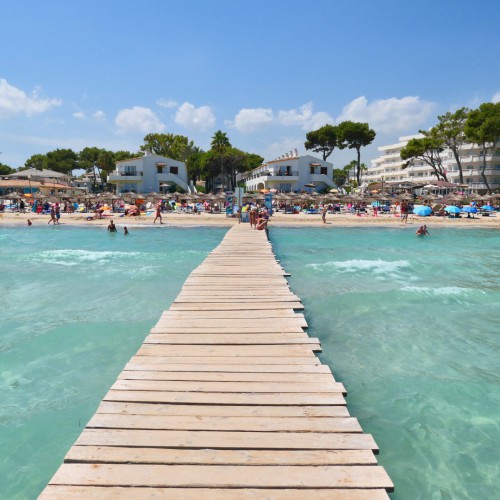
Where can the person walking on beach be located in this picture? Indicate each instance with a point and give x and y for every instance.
(323, 213)
(404, 211)
(112, 227)
(422, 231)
(158, 214)
(52, 215)
(58, 213)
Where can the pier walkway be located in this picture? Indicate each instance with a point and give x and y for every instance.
(225, 400)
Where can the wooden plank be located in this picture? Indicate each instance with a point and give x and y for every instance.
(63, 492)
(228, 329)
(270, 351)
(221, 410)
(234, 306)
(226, 440)
(228, 322)
(237, 387)
(244, 424)
(290, 378)
(226, 476)
(160, 363)
(221, 398)
(110, 454)
(231, 338)
(227, 360)
(271, 314)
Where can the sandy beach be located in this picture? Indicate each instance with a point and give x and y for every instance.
(279, 218)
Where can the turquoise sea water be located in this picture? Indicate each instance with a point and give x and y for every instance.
(412, 327)
(409, 325)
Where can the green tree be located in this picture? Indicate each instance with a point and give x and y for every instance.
(342, 176)
(195, 164)
(323, 140)
(451, 132)
(220, 144)
(126, 155)
(176, 147)
(37, 161)
(355, 135)
(88, 157)
(427, 149)
(483, 128)
(62, 160)
(5, 169)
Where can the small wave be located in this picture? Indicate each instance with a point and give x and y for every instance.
(77, 257)
(444, 290)
(376, 266)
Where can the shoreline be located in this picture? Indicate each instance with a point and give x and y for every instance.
(10, 219)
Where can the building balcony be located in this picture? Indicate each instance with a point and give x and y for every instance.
(321, 178)
(116, 177)
(277, 178)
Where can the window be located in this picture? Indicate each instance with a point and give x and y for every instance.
(159, 168)
(324, 170)
(174, 170)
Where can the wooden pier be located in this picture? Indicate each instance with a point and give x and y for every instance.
(225, 399)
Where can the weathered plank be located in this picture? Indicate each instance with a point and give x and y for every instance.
(227, 386)
(244, 424)
(262, 399)
(290, 378)
(127, 408)
(61, 492)
(111, 454)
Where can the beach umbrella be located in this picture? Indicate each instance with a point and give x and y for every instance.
(469, 210)
(487, 207)
(451, 209)
(422, 210)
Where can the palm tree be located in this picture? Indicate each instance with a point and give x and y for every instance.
(220, 144)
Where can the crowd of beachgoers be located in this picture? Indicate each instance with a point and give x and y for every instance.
(405, 209)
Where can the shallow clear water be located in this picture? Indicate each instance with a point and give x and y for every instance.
(409, 325)
(412, 327)
(75, 305)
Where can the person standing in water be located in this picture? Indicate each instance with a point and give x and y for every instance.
(125, 230)
(112, 227)
(422, 231)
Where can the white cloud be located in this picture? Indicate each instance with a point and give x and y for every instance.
(190, 117)
(99, 115)
(167, 103)
(138, 119)
(79, 114)
(14, 101)
(496, 97)
(389, 115)
(305, 117)
(250, 119)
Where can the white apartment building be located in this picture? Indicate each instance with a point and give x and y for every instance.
(388, 167)
(290, 173)
(149, 173)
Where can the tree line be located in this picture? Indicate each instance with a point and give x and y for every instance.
(222, 160)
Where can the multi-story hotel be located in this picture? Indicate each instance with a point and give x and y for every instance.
(388, 167)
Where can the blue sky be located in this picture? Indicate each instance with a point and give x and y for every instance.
(105, 73)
